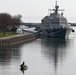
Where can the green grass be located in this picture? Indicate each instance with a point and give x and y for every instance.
(6, 34)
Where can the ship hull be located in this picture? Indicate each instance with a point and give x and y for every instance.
(56, 33)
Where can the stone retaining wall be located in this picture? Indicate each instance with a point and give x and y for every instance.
(20, 38)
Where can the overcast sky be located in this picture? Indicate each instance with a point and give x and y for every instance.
(35, 10)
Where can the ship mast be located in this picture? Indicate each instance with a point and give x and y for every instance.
(56, 8)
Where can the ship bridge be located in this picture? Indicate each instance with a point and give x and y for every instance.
(55, 19)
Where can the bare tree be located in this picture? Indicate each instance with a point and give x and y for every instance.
(5, 21)
(17, 19)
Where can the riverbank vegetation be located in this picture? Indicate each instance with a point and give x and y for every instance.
(9, 24)
(7, 34)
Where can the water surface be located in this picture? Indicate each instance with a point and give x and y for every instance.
(44, 56)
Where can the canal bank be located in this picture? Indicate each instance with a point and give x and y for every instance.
(17, 39)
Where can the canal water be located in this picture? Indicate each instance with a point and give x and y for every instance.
(43, 56)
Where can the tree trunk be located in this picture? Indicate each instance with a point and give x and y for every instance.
(4, 30)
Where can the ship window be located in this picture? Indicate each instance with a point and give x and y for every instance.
(55, 22)
(47, 25)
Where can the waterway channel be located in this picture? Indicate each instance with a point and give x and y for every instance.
(43, 56)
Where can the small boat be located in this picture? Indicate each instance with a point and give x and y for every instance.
(23, 67)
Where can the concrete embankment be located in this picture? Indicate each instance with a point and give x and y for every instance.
(16, 39)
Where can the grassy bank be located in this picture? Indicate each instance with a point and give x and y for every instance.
(17, 39)
(6, 34)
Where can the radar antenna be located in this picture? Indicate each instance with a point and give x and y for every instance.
(56, 9)
(56, 3)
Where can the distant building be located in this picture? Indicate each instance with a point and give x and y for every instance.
(19, 31)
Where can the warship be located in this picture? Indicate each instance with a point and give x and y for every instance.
(55, 25)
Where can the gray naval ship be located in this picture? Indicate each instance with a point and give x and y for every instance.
(55, 25)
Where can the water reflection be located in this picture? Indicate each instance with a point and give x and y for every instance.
(9, 54)
(55, 50)
(23, 71)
